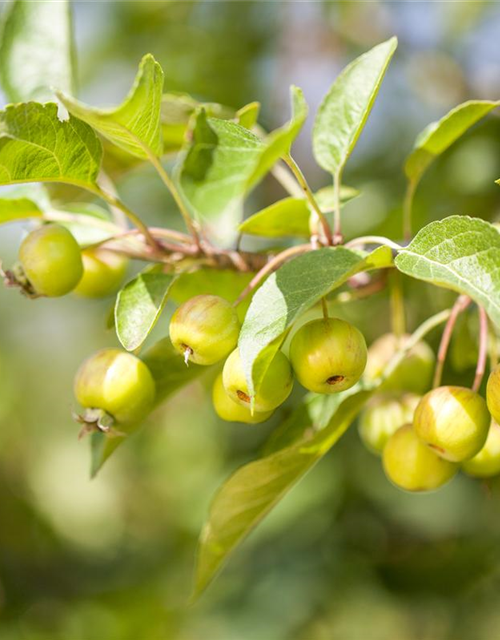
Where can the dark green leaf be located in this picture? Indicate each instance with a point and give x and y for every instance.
(290, 291)
(136, 122)
(459, 253)
(438, 136)
(36, 50)
(346, 107)
(139, 305)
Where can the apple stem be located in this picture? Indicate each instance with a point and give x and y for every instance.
(483, 349)
(460, 305)
(299, 176)
(324, 306)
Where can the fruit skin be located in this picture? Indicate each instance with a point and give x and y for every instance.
(274, 390)
(493, 393)
(383, 416)
(232, 411)
(328, 355)
(205, 329)
(486, 463)
(51, 260)
(413, 374)
(116, 382)
(412, 466)
(454, 421)
(103, 273)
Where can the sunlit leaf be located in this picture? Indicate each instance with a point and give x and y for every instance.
(36, 50)
(139, 305)
(345, 109)
(35, 146)
(440, 135)
(291, 216)
(136, 120)
(279, 142)
(248, 115)
(459, 253)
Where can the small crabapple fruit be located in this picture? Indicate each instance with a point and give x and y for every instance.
(116, 382)
(383, 416)
(51, 260)
(453, 421)
(493, 393)
(486, 463)
(413, 374)
(103, 273)
(205, 329)
(275, 388)
(412, 466)
(328, 355)
(232, 411)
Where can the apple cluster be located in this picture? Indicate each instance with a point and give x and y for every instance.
(53, 265)
(327, 355)
(425, 439)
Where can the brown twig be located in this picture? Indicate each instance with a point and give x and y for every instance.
(460, 305)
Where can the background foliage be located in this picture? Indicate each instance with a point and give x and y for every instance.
(112, 558)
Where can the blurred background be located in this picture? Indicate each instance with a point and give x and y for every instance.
(346, 555)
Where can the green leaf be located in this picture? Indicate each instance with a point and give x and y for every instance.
(279, 142)
(440, 135)
(36, 50)
(458, 253)
(346, 107)
(169, 369)
(177, 109)
(175, 113)
(18, 209)
(288, 293)
(35, 146)
(139, 305)
(248, 115)
(255, 489)
(224, 161)
(23, 201)
(291, 216)
(214, 172)
(136, 121)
